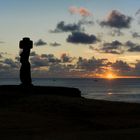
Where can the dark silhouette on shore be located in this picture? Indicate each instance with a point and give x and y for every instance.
(25, 71)
(25, 77)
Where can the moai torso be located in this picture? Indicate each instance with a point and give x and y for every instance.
(25, 73)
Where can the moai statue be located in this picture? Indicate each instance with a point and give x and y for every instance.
(25, 71)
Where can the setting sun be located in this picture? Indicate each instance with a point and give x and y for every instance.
(110, 76)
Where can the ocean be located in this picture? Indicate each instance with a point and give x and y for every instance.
(126, 90)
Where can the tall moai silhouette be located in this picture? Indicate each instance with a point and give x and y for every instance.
(25, 71)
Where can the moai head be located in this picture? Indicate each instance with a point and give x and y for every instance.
(25, 71)
(26, 44)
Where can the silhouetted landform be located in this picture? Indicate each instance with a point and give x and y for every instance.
(25, 71)
(40, 90)
(43, 115)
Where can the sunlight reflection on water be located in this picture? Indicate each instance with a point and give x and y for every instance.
(114, 90)
(109, 93)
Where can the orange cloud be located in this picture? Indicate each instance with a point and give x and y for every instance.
(82, 11)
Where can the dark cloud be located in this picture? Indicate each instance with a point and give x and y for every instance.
(81, 38)
(2, 42)
(130, 44)
(48, 65)
(43, 60)
(121, 66)
(113, 52)
(65, 58)
(136, 70)
(1, 56)
(40, 42)
(138, 12)
(9, 68)
(58, 68)
(65, 66)
(63, 70)
(114, 47)
(124, 69)
(91, 47)
(17, 58)
(55, 44)
(117, 47)
(46, 55)
(116, 19)
(62, 27)
(11, 63)
(135, 35)
(132, 47)
(38, 62)
(50, 58)
(7, 72)
(33, 54)
(92, 64)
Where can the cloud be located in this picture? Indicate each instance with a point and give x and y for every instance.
(132, 47)
(130, 44)
(115, 19)
(65, 58)
(115, 47)
(2, 42)
(38, 62)
(55, 44)
(1, 55)
(91, 47)
(81, 11)
(17, 58)
(33, 53)
(135, 35)
(58, 68)
(43, 60)
(51, 66)
(124, 69)
(116, 32)
(81, 38)
(10, 63)
(121, 66)
(137, 12)
(85, 21)
(48, 65)
(61, 70)
(91, 64)
(40, 42)
(51, 58)
(9, 68)
(113, 52)
(62, 27)
(7, 72)
(136, 70)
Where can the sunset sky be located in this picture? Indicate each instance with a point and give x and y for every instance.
(72, 38)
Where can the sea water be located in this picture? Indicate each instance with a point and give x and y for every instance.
(126, 90)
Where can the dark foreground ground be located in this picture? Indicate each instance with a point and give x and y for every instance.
(46, 113)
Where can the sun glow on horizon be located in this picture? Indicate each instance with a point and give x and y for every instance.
(110, 76)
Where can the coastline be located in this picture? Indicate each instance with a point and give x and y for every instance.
(59, 116)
